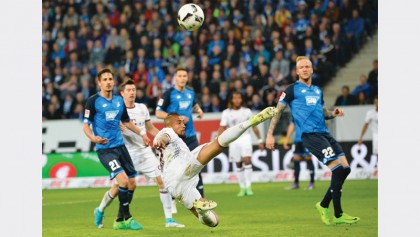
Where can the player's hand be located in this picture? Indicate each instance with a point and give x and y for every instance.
(100, 140)
(261, 146)
(159, 145)
(146, 140)
(338, 112)
(269, 142)
(200, 114)
(184, 118)
(122, 127)
(286, 145)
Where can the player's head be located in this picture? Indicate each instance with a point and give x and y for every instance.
(236, 100)
(181, 77)
(105, 79)
(304, 68)
(128, 90)
(174, 121)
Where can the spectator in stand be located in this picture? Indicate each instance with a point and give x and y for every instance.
(355, 30)
(362, 99)
(113, 55)
(68, 105)
(97, 55)
(345, 98)
(256, 103)
(280, 63)
(373, 78)
(364, 87)
(206, 103)
(216, 106)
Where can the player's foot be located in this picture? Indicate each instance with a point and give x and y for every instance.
(292, 187)
(249, 191)
(172, 223)
(242, 192)
(324, 212)
(345, 219)
(119, 225)
(133, 224)
(267, 113)
(99, 218)
(311, 186)
(173, 207)
(204, 205)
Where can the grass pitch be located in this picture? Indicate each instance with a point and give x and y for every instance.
(272, 211)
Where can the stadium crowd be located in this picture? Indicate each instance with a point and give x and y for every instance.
(248, 46)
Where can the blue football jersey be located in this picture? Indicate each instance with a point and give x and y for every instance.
(306, 105)
(105, 115)
(175, 101)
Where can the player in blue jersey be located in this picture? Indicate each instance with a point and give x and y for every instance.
(300, 153)
(181, 99)
(103, 113)
(309, 112)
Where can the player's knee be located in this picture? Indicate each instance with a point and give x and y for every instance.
(347, 171)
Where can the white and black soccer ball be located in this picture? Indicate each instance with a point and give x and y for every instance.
(190, 17)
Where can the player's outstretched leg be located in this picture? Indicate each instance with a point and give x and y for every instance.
(323, 212)
(265, 114)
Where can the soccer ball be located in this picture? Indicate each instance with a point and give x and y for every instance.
(190, 17)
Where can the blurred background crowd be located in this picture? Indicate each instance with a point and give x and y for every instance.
(248, 46)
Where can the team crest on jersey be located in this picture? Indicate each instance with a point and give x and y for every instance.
(160, 102)
(87, 113)
(189, 96)
(282, 96)
(118, 104)
(317, 91)
(303, 91)
(104, 105)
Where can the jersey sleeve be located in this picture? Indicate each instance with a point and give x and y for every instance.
(164, 101)
(287, 95)
(169, 132)
(224, 118)
(89, 111)
(124, 116)
(146, 111)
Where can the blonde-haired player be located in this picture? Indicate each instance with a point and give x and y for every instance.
(240, 151)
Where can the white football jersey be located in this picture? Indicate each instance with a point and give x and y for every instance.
(232, 117)
(372, 119)
(176, 150)
(138, 115)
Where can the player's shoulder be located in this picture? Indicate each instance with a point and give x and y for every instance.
(92, 98)
(141, 106)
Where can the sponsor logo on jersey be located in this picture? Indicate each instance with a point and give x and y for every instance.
(311, 100)
(184, 104)
(87, 113)
(110, 115)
